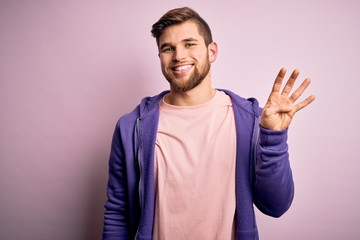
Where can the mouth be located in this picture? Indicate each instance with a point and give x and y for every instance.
(182, 69)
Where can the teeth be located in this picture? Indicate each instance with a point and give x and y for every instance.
(182, 67)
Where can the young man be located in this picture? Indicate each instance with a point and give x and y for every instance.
(190, 163)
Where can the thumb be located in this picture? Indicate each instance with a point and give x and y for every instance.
(283, 108)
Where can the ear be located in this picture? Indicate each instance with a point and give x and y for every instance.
(213, 51)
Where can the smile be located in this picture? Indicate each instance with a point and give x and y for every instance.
(182, 69)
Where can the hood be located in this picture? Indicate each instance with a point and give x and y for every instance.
(149, 104)
(250, 105)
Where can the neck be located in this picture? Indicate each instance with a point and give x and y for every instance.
(198, 95)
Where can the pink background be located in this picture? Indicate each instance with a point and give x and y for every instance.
(69, 69)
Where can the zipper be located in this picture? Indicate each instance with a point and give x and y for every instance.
(255, 142)
(139, 151)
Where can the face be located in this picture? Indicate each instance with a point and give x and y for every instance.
(185, 59)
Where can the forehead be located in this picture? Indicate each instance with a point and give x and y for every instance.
(179, 32)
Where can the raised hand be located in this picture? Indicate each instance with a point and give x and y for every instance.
(280, 108)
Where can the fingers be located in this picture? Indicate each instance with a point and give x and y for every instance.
(290, 83)
(304, 103)
(299, 91)
(289, 86)
(278, 81)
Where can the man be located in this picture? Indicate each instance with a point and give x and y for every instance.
(190, 163)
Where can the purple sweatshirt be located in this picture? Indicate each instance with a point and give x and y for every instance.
(263, 173)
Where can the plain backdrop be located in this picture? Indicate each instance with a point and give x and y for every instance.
(70, 69)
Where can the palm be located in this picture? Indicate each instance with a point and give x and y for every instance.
(280, 107)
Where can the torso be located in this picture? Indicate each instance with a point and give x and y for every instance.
(195, 171)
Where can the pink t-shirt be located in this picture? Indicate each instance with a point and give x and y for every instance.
(195, 171)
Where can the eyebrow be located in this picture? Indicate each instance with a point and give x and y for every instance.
(184, 40)
(190, 40)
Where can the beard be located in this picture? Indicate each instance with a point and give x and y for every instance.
(194, 80)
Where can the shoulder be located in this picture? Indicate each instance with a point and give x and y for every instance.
(249, 105)
(147, 106)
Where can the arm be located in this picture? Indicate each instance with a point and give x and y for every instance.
(274, 187)
(115, 217)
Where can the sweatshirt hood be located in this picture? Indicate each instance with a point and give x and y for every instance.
(149, 104)
(250, 105)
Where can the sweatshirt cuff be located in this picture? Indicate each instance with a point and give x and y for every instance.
(273, 138)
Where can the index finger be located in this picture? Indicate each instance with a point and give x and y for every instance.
(278, 81)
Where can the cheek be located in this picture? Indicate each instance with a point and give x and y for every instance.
(164, 61)
(201, 55)
(162, 64)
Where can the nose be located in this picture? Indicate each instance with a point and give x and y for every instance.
(179, 54)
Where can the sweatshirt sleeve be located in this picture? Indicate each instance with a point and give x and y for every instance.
(273, 186)
(115, 216)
